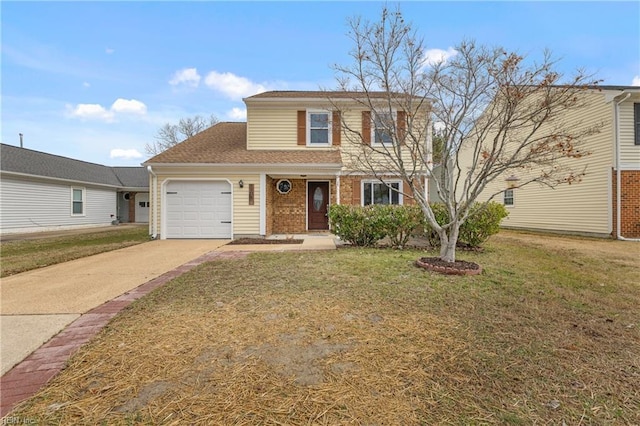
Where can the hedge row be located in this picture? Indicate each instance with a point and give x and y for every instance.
(365, 226)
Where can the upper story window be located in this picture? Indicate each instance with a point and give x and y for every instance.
(636, 122)
(376, 192)
(318, 128)
(378, 128)
(77, 201)
(383, 127)
(508, 197)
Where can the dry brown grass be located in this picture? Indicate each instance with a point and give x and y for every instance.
(543, 336)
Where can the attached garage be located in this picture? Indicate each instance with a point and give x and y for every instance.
(198, 209)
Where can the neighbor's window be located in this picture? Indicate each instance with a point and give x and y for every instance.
(319, 129)
(636, 120)
(380, 193)
(383, 126)
(77, 201)
(508, 197)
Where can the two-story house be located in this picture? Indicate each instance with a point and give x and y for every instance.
(275, 174)
(606, 202)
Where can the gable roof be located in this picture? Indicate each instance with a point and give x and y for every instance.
(35, 163)
(226, 143)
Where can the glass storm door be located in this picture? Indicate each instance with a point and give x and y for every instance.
(317, 203)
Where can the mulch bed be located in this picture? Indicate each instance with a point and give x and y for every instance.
(263, 241)
(459, 267)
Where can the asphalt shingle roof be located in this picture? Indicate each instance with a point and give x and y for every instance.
(26, 161)
(226, 143)
(317, 94)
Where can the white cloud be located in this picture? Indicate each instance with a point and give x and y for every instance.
(188, 76)
(86, 84)
(90, 111)
(636, 81)
(109, 50)
(233, 86)
(125, 154)
(434, 56)
(98, 112)
(237, 114)
(129, 106)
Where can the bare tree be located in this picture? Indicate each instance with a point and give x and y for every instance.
(496, 113)
(172, 134)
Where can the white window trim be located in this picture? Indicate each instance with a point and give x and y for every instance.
(386, 181)
(394, 116)
(513, 198)
(329, 126)
(84, 201)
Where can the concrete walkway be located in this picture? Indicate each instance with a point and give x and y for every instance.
(83, 295)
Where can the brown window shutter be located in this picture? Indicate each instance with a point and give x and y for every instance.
(408, 194)
(366, 127)
(356, 191)
(402, 125)
(336, 128)
(302, 128)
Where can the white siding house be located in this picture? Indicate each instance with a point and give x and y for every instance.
(41, 192)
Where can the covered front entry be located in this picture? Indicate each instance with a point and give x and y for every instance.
(317, 206)
(198, 209)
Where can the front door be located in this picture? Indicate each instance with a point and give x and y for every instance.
(317, 205)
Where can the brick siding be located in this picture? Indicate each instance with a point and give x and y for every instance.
(629, 205)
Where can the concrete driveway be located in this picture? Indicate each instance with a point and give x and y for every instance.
(36, 305)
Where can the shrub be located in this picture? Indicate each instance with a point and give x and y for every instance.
(399, 222)
(365, 226)
(360, 226)
(484, 221)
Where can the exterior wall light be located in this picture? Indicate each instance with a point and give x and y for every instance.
(512, 181)
(241, 183)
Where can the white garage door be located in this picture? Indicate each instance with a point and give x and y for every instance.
(198, 209)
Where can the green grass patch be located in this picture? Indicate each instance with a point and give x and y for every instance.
(25, 255)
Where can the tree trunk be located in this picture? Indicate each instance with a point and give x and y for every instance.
(448, 243)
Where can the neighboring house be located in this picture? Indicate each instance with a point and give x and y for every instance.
(606, 202)
(275, 174)
(43, 192)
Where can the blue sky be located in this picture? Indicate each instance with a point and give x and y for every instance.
(96, 80)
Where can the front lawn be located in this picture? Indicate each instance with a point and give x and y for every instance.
(32, 253)
(548, 334)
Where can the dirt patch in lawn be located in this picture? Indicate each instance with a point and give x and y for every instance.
(267, 360)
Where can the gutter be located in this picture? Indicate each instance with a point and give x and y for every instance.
(154, 187)
(618, 171)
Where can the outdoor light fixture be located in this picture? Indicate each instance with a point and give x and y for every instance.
(512, 181)
(241, 183)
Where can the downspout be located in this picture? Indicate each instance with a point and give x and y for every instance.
(618, 172)
(154, 187)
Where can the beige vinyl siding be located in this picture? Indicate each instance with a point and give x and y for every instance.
(629, 151)
(246, 218)
(352, 149)
(584, 207)
(275, 128)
